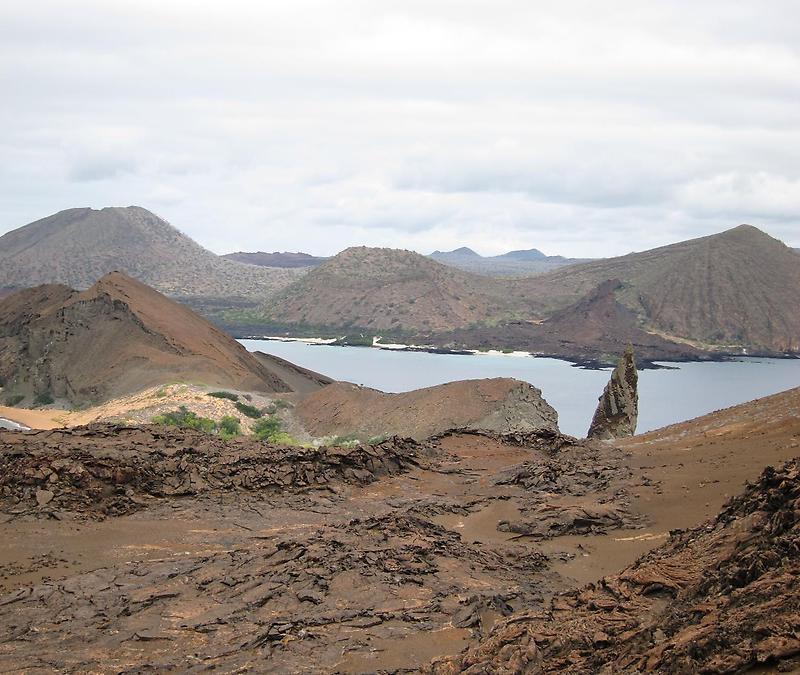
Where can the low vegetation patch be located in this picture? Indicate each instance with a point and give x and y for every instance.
(11, 401)
(43, 399)
(270, 429)
(229, 427)
(183, 417)
(224, 394)
(267, 428)
(250, 410)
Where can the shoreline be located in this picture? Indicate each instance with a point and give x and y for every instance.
(584, 362)
(33, 419)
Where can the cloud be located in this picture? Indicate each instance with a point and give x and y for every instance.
(578, 128)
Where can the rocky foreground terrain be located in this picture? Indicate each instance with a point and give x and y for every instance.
(152, 550)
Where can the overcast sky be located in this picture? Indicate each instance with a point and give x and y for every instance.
(580, 128)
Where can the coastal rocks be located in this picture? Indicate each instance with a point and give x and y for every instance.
(618, 407)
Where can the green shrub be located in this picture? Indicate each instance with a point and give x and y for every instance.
(183, 417)
(224, 394)
(229, 427)
(249, 410)
(43, 399)
(377, 440)
(282, 438)
(267, 428)
(11, 401)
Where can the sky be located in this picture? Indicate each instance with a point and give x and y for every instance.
(580, 128)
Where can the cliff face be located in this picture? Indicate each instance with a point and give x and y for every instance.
(618, 407)
(115, 338)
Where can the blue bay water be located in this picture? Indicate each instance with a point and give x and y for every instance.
(665, 396)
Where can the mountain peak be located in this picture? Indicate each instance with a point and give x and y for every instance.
(76, 247)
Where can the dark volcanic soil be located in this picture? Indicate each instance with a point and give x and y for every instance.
(245, 557)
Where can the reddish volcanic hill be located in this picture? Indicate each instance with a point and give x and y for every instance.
(498, 405)
(117, 337)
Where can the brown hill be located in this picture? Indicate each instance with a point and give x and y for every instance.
(117, 337)
(736, 290)
(739, 288)
(499, 405)
(276, 259)
(382, 289)
(77, 246)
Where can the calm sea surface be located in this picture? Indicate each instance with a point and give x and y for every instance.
(8, 424)
(665, 396)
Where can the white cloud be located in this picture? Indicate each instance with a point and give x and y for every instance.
(580, 128)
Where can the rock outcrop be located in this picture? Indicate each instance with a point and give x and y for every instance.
(618, 407)
(497, 405)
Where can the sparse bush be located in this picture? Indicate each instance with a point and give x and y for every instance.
(183, 417)
(224, 394)
(11, 401)
(43, 399)
(267, 428)
(249, 410)
(282, 438)
(377, 440)
(347, 441)
(229, 427)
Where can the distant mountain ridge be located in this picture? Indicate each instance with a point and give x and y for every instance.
(519, 263)
(77, 246)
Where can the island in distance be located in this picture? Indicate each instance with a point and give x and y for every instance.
(729, 293)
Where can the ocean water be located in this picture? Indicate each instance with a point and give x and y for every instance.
(665, 396)
(8, 424)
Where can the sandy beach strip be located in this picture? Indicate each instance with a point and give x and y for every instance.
(35, 419)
